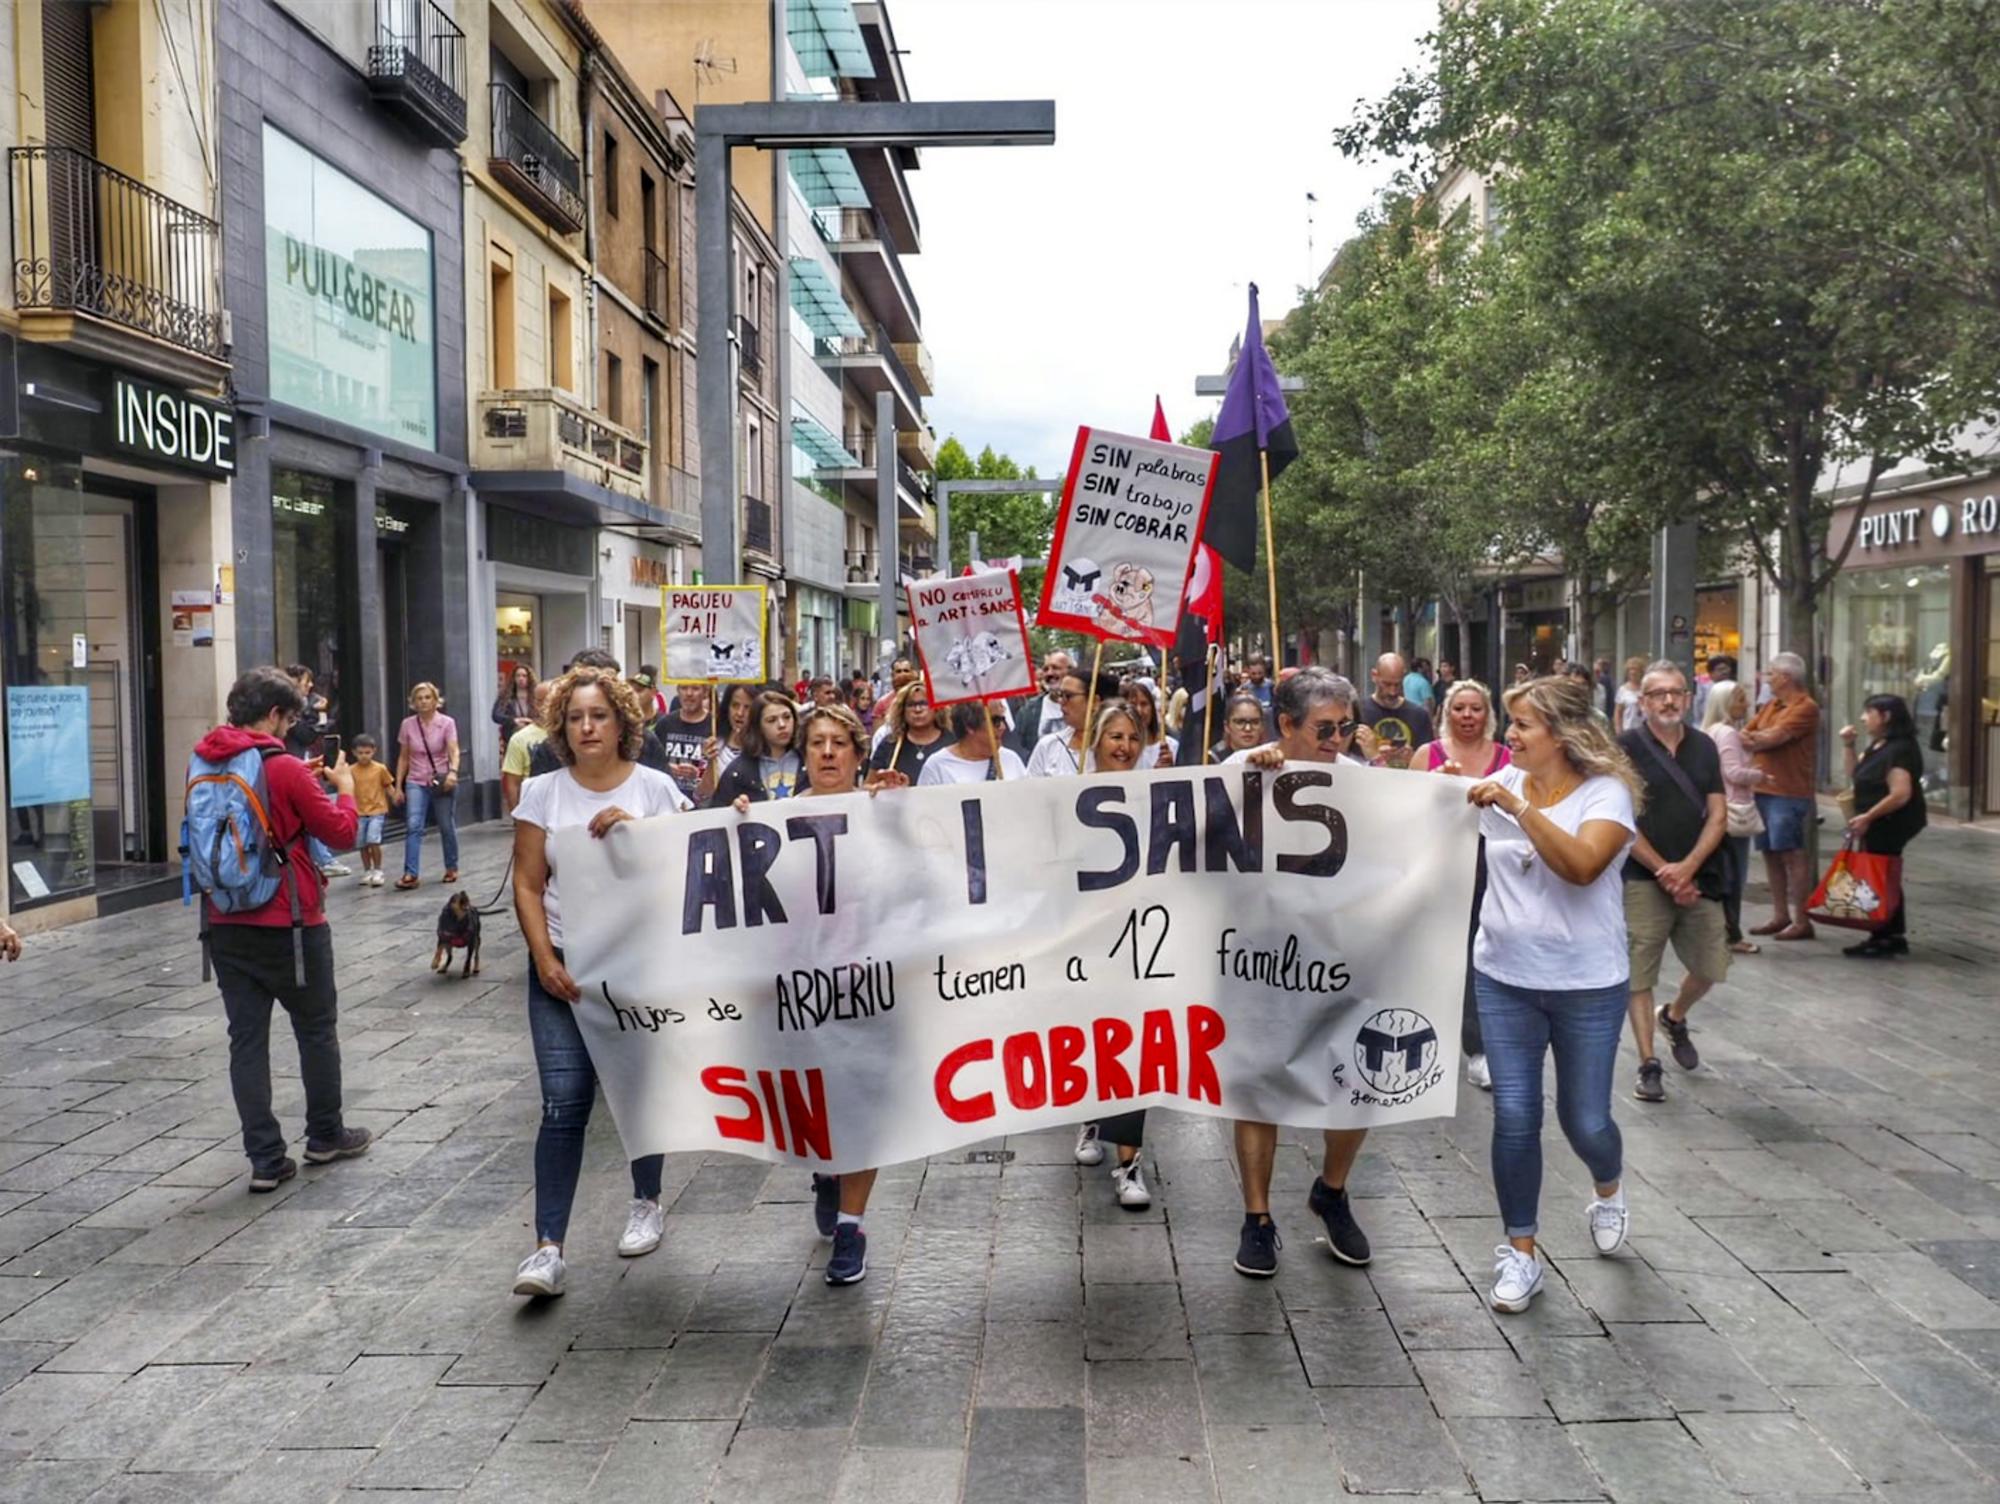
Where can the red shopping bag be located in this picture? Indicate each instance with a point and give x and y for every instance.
(1859, 892)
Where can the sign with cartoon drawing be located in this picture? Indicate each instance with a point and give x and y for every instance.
(972, 636)
(1132, 511)
(712, 633)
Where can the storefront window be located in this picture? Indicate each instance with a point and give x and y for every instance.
(1892, 635)
(49, 843)
(1718, 624)
(312, 586)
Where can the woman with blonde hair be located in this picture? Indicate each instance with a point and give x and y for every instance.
(427, 774)
(1728, 707)
(1631, 716)
(1159, 750)
(1557, 822)
(598, 727)
(911, 733)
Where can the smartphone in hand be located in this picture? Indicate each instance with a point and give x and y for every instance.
(329, 748)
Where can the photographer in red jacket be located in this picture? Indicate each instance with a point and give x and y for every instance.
(253, 951)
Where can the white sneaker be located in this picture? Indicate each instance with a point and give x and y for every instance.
(1609, 1222)
(375, 878)
(541, 1272)
(1089, 1148)
(1477, 1073)
(1131, 1183)
(337, 869)
(642, 1229)
(1517, 1278)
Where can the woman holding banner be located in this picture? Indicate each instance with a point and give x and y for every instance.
(597, 726)
(1060, 749)
(913, 733)
(1117, 743)
(770, 763)
(1557, 822)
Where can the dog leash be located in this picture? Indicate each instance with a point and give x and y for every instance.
(494, 905)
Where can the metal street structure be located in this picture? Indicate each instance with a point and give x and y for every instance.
(779, 126)
(946, 489)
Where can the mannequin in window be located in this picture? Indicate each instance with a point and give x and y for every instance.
(1933, 687)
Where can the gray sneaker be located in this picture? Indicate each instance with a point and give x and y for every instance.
(541, 1273)
(1651, 1087)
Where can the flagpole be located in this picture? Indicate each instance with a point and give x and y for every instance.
(1208, 705)
(999, 774)
(1090, 703)
(1271, 564)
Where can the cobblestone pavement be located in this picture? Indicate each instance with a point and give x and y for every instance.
(1810, 1307)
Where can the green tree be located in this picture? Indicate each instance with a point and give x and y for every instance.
(1708, 253)
(1008, 523)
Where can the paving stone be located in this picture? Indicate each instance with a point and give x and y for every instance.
(301, 1477)
(663, 1462)
(1134, 1321)
(444, 1442)
(1693, 1367)
(901, 1476)
(1767, 1244)
(1650, 1462)
(706, 1376)
(1975, 1262)
(590, 1396)
(1260, 1464)
(237, 1421)
(43, 1403)
(1388, 1441)
(1252, 1379)
(1351, 1348)
(1144, 1409)
(1764, 1454)
(1589, 1379)
(1032, 1365)
(1948, 1392)
(35, 1481)
(1443, 1321)
(548, 1472)
(1885, 1442)
(126, 1420)
(365, 1402)
(920, 1386)
(1479, 1382)
(1522, 1459)
(1018, 1454)
(1126, 1253)
(773, 1467)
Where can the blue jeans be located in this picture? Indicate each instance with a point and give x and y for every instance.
(422, 799)
(569, 1086)
(1521, 1025)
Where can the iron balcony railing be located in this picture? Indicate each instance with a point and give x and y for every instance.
(88, 239)
(417, 64)
(917, 485)
(656, 285)
(535, 163)
(750, 342)
(875, 342)
(757, 525)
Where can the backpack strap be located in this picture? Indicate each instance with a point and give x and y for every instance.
(288, 876)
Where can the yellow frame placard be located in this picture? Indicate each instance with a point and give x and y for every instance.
(712, 625)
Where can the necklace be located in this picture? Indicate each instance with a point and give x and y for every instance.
(1562, 792)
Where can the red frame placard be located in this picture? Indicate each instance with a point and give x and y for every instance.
(1161, 637)
(923, 658)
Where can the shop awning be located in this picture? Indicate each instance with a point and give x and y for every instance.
(826, 177)
(827, 38)
(823, 445)
(817, 298)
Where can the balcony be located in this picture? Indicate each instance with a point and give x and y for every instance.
(416, 67)
(532, 161)
(545, 429)
(870, 361)
(657, 305)
(750, 344)
(919, 447)
(679, 496)
(868, 254)
(113, 268)
(757, 527)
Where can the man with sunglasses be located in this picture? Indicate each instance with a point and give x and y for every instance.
(1316, 723)
(1044, 713)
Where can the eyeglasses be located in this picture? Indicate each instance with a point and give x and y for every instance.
(1664, 694)
(1240, 725)
(1327, 730)
(1064, 696)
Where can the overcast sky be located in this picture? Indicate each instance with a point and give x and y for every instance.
(1067, 284)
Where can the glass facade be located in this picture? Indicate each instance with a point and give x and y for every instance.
(1892, 633)
(50, 848)
(313, 596)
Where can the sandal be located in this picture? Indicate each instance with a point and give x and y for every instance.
(406, 881)
(450, 876)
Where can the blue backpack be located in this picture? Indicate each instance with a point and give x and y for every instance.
(230, 850)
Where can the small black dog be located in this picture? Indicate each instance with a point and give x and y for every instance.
(458, 929)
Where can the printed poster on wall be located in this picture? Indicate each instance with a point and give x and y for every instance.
(866, 981)
(972, 636)
(712, 633)
(48, 744)
(1132, 511)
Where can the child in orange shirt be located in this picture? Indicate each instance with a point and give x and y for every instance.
(374, 787)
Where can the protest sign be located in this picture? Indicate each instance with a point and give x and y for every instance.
(48, 744)
(1132, 510)
(972, 636)
(846, 981)
(712, 632)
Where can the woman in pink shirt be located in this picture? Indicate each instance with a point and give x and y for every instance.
(427, 773)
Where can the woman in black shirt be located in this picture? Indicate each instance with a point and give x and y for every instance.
(913, 733)
(1888, 802)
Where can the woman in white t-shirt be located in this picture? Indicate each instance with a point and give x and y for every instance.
(1557, 822)
(970, 758)
(597, 725)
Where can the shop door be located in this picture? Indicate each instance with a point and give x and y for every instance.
(394, 574)
(517, 625)
(1989, 691)
(121, 670)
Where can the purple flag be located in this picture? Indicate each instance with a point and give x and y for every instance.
(1253, 420)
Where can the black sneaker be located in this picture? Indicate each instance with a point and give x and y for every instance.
(351, 1143)
(1344, 1236)
(1650, 1088)
(826, 1203)
(1686, 1056)
(1257, 1249)
(272, 1176)
(849, 1264)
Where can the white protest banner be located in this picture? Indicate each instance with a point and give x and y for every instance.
(848, 982)
(1132, 510)
(972, 636)
(712, 633)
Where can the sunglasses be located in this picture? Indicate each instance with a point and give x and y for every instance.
(1327, 730)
